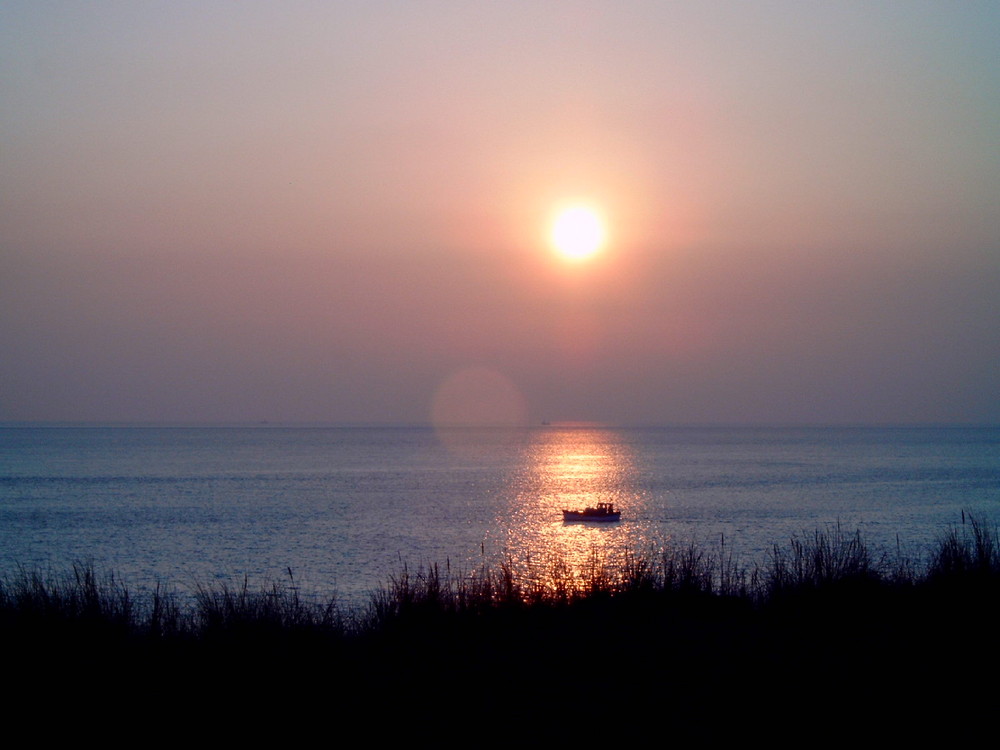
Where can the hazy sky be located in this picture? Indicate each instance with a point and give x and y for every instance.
(340, 211)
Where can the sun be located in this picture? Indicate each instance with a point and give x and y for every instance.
(578, 232)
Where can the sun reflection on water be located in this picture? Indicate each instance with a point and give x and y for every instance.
(573, 468)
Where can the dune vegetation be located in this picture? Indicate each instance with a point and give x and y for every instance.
(823, 619)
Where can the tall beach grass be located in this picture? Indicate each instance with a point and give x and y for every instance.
(825, 628)
(100, 602)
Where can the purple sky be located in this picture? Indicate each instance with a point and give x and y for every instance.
(340, 211)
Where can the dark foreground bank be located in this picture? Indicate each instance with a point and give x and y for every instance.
(827, 628)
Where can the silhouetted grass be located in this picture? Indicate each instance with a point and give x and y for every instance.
(277, 610)
(822, 617)
(825, 560)
(969, 551)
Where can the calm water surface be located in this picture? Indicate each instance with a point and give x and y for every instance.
(344, 507)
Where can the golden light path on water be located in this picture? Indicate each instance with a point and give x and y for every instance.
(574, 468)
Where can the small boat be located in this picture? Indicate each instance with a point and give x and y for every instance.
(603, 512)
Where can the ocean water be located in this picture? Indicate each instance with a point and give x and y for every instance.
(345, 507)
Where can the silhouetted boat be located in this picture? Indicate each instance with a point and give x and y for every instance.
(603, 512)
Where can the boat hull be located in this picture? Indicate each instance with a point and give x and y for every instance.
(578, 515)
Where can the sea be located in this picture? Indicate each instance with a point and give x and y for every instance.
(341, 510)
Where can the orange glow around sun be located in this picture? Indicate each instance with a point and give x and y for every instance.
(578, 232)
